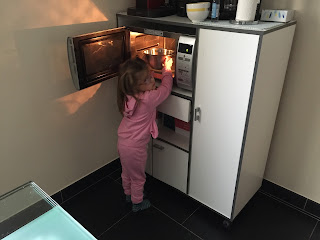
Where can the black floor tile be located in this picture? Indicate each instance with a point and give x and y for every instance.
(263, 218)
(116, 175)
(147, 225)
(92, 178)
(77, 187)
(313, 208)
(169, 200)
(107, 169)
(57, 197)
(284, 194)
(98, 207)
(316, 233)
(119, 180)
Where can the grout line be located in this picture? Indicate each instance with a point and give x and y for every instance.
(190, 215)
(87, 188)
(177, 222)
(283, 202)
(117, 181)
(114, 224)
(114, 171)
(61, 196)
(291, 205)
(313, 230)
(304, 207)
(89, 185)
(107, 176)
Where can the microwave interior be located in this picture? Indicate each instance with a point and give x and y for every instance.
(140, 42)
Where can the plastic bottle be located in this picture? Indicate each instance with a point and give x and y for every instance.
(215, 10)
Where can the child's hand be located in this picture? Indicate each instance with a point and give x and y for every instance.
(168, 63)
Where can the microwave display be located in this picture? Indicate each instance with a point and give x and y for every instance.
(185, 48)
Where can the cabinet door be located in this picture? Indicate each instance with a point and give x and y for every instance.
(225, 69)
(170, 165)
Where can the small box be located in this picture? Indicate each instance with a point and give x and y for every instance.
(182, 128)
(277, 15)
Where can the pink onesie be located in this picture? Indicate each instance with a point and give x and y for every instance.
(134, 134)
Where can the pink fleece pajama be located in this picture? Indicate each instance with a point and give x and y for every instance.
(134, 132)
(133, 161)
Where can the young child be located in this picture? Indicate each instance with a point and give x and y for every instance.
(137, 101)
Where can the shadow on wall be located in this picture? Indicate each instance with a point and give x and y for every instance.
(296, 135)
(44, 106)
(44, 68)
(45, 121)
(35, 48)
(38, 44)
(266, 4)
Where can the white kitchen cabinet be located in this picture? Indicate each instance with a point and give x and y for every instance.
(239, 75)
(170, 165)
(222, 94)
(238, 86)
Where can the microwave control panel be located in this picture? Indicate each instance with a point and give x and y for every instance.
(185, 53)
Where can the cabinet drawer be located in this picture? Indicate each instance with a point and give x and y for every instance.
(176, 107)
(170, 165)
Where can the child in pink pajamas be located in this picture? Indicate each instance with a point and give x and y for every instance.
(137, 101)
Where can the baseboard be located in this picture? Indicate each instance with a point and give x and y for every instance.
(86, 181)
(280, 193)
(302, 203)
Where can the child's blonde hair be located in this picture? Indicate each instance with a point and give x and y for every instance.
(130, 76)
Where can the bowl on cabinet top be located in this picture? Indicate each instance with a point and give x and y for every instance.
(198, 12)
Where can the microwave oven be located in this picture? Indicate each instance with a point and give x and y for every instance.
(96, 57)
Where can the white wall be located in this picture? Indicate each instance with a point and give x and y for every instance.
(294, 158)
(51, 133)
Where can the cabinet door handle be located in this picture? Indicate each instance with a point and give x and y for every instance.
(197, 114)
(158, 146)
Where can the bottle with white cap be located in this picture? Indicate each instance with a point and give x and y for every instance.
(215, 8)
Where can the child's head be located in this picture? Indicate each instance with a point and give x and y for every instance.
(134, 77)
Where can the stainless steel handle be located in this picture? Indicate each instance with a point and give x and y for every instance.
(197, 114)
(158, 146)
(153, 32)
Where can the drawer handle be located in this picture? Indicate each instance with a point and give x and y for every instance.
(197, 114)
(158, 146)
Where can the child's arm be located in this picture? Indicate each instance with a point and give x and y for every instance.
(163, 91)
(156, 97)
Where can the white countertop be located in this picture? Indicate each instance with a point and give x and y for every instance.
(261, 27)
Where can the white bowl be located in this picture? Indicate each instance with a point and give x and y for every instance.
(198, 12)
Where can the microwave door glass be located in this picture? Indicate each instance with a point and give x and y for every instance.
(103, 56)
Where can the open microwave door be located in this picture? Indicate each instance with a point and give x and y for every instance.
(96, 57)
